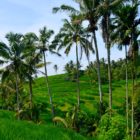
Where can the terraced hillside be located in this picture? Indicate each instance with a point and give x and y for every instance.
(64, 94)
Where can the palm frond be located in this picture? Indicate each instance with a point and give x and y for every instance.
(65, 8)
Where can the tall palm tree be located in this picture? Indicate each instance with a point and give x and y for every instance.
(44, 47)
(87, 12)
(125, 25)
(32, 58)
(122, 38)
(13, 54)
(106, 8)
(133, 53)
(74, 34)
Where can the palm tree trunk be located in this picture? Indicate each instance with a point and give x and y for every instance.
(98, 71)
(31, 92)
(109, 77)
(47, 82)
(78, 84)
(127, 115)
(132, 109)
(17, 96)
(109, 64)
(133, 90)
(31, 95)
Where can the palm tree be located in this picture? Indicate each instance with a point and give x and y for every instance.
(13, 54)
(74, 34)
(133, 53)
(55, 68)
(125, 26)
(87, 12)
(121, 37)
(44, 47)
(105, 10)
(32, 58)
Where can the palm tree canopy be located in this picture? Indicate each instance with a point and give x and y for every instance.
(65, 8)
(106, 8)
(44, 37)
(125, 24)
(33, 56)
(72, 33)
(44, 41)
(13, 54)
(121, 25)
(88, 10)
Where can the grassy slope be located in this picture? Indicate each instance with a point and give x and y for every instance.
(64, 97)
(11, 129)
(64, 93)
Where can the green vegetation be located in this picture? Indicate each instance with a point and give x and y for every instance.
(64, 96)
(101, 102)
(64, 93)
(12, 129)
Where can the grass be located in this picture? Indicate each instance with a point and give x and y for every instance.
(11, 129)
(65, 96)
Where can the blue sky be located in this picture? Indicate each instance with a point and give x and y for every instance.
(24, 16)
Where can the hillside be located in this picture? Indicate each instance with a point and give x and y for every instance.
(64, 93)
(64, 98)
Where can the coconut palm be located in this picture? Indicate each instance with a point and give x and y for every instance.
(74, 34)
(120, 37)
(126, 25)
(105, 10)
(44, 47)
(13, 54)
(87, 12)
(55, 68)
(133, 53)
(32, 58)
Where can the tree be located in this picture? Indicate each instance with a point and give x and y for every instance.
(105, 10)
(55, 68)
(121, 37)
(44, 47)
(133, 54)
(13, 54)
(87, 12)
(32, 58)
(74, 34)
(126, 33)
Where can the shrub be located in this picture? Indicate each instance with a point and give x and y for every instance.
(112, 128)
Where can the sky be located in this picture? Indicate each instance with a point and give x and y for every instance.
(22, 16)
